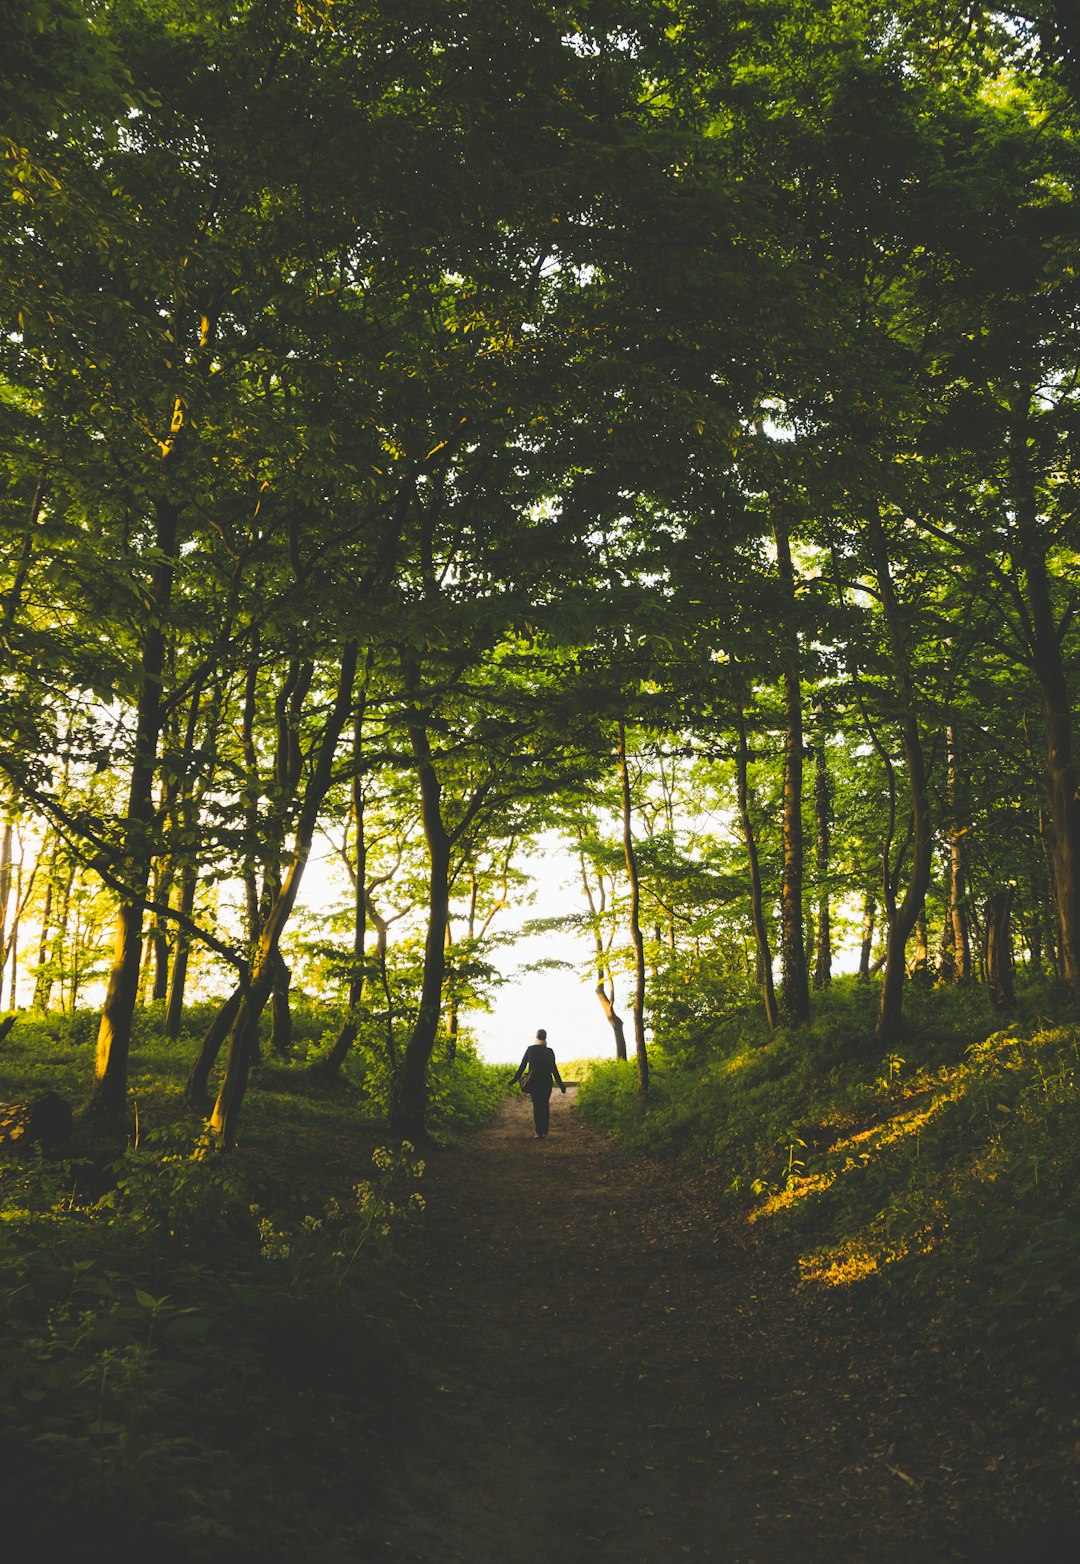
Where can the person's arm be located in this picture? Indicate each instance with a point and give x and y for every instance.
(522, 1067)
(555, 1073)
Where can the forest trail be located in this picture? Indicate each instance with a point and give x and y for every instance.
(610, 1371)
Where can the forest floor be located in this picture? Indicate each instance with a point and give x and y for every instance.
(608, 1368)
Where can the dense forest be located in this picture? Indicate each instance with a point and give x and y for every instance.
(427, 430)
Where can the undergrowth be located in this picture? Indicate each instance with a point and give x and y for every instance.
(947, 1170)
(198, 1357)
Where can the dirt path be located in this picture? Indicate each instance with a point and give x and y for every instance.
(608, 1372)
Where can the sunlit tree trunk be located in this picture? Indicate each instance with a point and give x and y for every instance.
(867, 944)
(350, 1026)
(901, 915)
(42, 978)
(958, 919)
(184, 823)
(757, 904)
(823, 818)
(267, 956)
(638, 943)
(109, 1095)
(795, 989)
(605, 982)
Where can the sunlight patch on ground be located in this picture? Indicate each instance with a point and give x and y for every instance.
(797, 1189)
(909, 1122)
(854, 1260)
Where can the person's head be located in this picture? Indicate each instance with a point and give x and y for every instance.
(541, 1036)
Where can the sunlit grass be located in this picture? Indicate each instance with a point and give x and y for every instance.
(946, 1174)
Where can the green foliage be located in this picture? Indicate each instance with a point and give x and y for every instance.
(463, 1091)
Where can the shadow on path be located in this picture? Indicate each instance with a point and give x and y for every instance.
(610, 1372)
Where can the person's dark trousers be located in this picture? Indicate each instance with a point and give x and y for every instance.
(541, 1111)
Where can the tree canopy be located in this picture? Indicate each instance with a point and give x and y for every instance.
(437, 424)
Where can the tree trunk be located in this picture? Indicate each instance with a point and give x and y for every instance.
(920, 967)
(281, 1030)
(7, 837)
(159, 938)
(757, 905)
(823, 816)
(267, 957)
(408, 1102)
(958, 873)
(174, 1000)
(252, 787)
(1062, 778)
(999, 954)
(605, 983)
(638, 942)
(185, 822)
(868, 920)
(109, 1095)
(605, 993)
(350, 1026)
(197, 1090)
(901, 918)
(347, 1033)
(795, 989)
(42, 979)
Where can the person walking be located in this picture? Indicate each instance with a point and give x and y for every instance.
(538, 1073)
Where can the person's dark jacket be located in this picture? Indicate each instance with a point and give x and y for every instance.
(539, 1061)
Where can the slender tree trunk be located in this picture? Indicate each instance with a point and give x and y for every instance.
(605, 993)
(159, 939)
(58, 959)
(757, 904)
(7, 837)
(605, 983)
(185, 824)
(382, 936)
(347, 1033)
(999, 954)
(901, 917)
(795, 989)
(958, 872)
(12, 948)
(1044, 895)
(267, 956)
(866, 948)
(252, 787)
(281, 1031)
(174, 1000)
(920, 968)
(408, 1103)
(1047, 664)
(109, 1095)
(823, 816)
(197, 1090)
(637, 941)
(42, 980)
